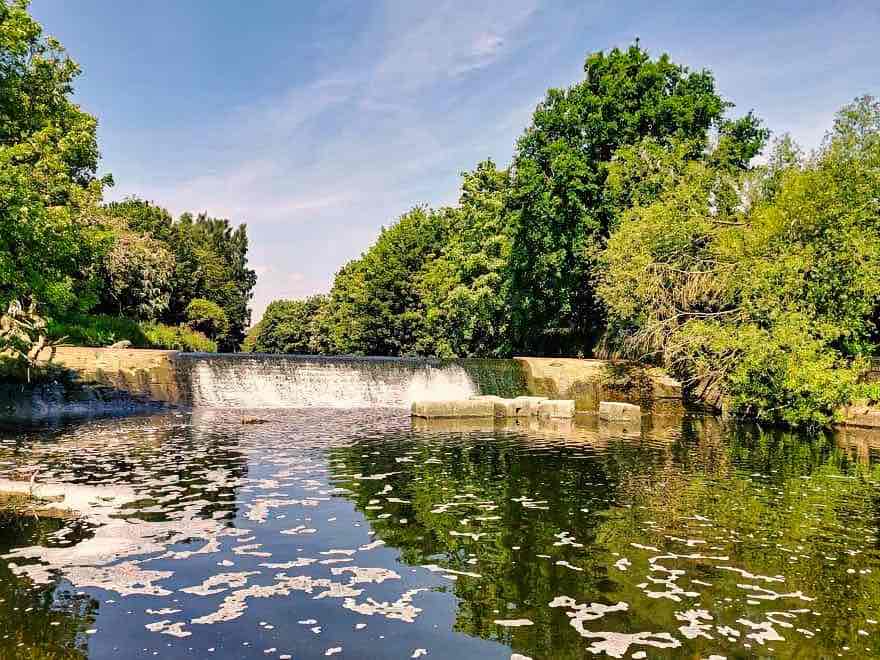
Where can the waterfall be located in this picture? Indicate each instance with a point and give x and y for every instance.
(289, 381)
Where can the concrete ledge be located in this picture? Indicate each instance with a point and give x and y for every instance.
(556, 409)
(458, 408)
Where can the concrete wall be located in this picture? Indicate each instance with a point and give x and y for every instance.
(590, 381)
(146, 373)
(168, 376)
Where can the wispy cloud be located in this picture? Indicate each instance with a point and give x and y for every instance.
(332, 159)
(417, 92)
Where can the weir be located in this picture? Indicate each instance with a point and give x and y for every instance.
(291, 381)
(253, 380)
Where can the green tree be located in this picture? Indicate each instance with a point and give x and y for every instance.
(462, 288)
(210, 262)
(764, 294)
(136, 273)
(207, 317)
(50, 231)
(376, 306)
(289, 326)
(220, 252)
(560, 207)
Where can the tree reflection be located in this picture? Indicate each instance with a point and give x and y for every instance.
(773, 503)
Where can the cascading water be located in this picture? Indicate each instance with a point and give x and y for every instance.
(287, 381)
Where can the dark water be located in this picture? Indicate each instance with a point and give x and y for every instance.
(351, 534)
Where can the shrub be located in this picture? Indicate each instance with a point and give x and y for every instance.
(207, 317)
(768, 298)
(178, 338)
(97, 330)
(103, 330)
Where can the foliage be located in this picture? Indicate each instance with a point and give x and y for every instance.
(209, 263)
(50, 232)
(766, 293)
(376, 306)
(60, 247)
(178, 338)
(104, 330)
(561, 209)
(288, 326)
(22, 334)
(207, 317)
(136, 273)
(461, 289)
(97, 330)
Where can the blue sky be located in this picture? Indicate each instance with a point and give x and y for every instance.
(318, 122)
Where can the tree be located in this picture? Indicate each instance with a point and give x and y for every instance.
(765, 293)
(50, 231)
(375, 305)
(208, 318)
(223, 276)
(560, 208)
(462, 289)
(210, 262)
(289, 326)
(137, 277)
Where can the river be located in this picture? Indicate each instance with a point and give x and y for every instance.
(356, 533)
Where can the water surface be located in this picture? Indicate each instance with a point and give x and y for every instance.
(353, 534)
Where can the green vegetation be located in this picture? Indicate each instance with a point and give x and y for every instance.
(634, 222)
(179, 338)
(82, 261)
(288, 326)
(207, 317)
(762, 284)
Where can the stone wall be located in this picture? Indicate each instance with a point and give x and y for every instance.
(590, 381)
(146, 373)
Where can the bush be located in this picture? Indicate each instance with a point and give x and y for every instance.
(97, 330)
(103, 330)
(207, 317)
(178, 338)
(768, 298)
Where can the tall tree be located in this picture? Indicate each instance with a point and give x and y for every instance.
(462, 288)
(50, 231)
(210, 262)
(376, 307)
(288, 326)
(765, 294)
(560, 208)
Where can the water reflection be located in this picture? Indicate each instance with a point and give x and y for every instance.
(356, 533)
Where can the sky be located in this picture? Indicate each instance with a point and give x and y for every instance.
(316, 123)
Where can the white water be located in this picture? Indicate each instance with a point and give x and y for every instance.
(301, 383)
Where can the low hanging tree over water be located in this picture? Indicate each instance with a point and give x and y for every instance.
(763, 286)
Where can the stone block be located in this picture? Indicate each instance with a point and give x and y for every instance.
(527, 406)
(454, 408)
(556, 408)
(615, 411)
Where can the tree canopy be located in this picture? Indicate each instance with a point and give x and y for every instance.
(64, 251)
(763, 285)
